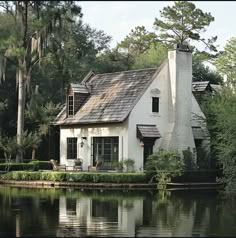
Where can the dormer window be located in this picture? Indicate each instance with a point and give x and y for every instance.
(76, 96)
(70, 105)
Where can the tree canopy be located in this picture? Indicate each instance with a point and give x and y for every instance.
(183, 23)
(202, 72)
(45, 44)
(220, 112)
(226, 62)
(138, 41)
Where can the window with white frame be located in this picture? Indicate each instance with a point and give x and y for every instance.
(70, 105)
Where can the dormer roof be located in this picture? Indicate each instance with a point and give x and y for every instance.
(79, 88)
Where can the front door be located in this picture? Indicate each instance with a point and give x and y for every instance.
(147, 150)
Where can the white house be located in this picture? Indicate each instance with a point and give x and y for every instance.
(130, 114)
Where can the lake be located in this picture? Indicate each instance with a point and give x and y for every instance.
(74, 213)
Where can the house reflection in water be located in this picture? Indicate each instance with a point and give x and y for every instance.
(88, 216)
(140, 216)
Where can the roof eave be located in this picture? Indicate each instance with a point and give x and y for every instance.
(88, 123)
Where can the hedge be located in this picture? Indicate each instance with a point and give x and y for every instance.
(33, 166)
(77, 177)
(198, 176)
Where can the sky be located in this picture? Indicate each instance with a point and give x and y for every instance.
(117, 18)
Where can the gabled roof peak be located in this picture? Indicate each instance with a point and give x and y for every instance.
(88, 76)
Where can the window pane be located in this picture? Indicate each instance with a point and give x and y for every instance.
(72, 148)
(70, 105)
(106, 149)
(155, 104)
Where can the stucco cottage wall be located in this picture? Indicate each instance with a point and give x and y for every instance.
(90, 131)
(142, 114)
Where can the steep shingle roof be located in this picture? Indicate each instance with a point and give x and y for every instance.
(198, 133)
(113, 96)
(200, 86)
(217, 88)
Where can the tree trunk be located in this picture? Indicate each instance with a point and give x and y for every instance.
(20, 112)
(33, 154)
(22, 11)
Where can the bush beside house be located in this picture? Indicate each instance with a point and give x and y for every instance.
(164, 165)
(33, 165)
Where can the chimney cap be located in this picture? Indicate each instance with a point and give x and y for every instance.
(182, 47)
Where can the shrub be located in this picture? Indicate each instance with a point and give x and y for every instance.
(188, 159)
(33, 165)
(16, 166)
(118, 165)
(21, 175)
(44, 165)
(199, 176)
(129, 165)
(164, 165)
(76, 177)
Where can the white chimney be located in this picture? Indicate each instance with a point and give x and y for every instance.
(180, 70)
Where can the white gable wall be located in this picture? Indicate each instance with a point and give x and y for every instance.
(142, 114)
(174, 82)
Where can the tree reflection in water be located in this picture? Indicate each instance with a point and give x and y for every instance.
(73, 213)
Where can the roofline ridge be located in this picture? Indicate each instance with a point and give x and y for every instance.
(132, 70)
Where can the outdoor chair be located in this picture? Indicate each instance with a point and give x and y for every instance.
(78, 164)
(96, 167)
(56, 166)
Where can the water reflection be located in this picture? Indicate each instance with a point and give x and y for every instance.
(99, 214)
(73, 213)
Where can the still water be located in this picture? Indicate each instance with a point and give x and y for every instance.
(75, 213)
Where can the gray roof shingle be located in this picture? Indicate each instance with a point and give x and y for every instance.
(112, 97)
(198, 133)
(147, 131)
(79, 88)
(199, 86)
(216, 87)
